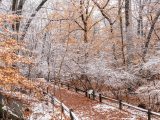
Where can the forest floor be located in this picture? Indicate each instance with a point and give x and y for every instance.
(87, 109)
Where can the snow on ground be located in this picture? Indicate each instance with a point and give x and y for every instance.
(107, 108)
(153, 65)
(46, 111)
(152, 62)
(103, 108)
(82, 116)
(41, 111)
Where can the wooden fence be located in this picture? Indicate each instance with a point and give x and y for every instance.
(64, 108)
(100, 98)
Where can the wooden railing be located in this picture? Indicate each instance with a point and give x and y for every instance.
(64, 108)
(100, 98)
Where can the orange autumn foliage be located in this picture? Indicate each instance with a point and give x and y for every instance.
(10, 76)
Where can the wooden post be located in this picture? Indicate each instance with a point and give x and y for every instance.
(47, 89)
(70, 112)
(120, 104)
(30, 91)
(76, 89)
(94, 95)
(86, 94)
(62, 109)
(149, 114)
(68, 86)
(61, 84)
(100, 97)
(89, 96)
(52, 103)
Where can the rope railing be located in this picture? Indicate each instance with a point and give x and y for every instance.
(101, 97)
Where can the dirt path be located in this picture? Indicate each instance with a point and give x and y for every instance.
(87, 109)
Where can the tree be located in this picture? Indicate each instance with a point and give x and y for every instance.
(128, 33)
(31, 18)
(17, 7)
(140, 19)
(121, 29)
(11, 78)
(102, 9)
(150, 33)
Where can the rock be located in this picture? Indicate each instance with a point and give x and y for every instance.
(1, 110)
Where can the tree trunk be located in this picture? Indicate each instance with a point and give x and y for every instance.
(49, 63)
(150, 34)
(19, 12)
(121, 29)
(128, 26)
(14, 5)
(14, 8)
(140, 20)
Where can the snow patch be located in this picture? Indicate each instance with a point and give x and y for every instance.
(103, 108)
(41, 111)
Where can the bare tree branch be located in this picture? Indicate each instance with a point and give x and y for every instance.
(103, 13)
(30, 20)
(150, 33)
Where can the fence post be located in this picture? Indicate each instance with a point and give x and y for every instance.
(47, 89)
(52, 103)
(89, 95)
(94, 95)
(30, 91)
(86, 94)
(61, 84)
(76, 89)
(70, 112)
(62, 109)
(100, 97)
(68, 86)
(120, 104)
(149, 114)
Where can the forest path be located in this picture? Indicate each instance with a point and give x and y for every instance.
(87, 109)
